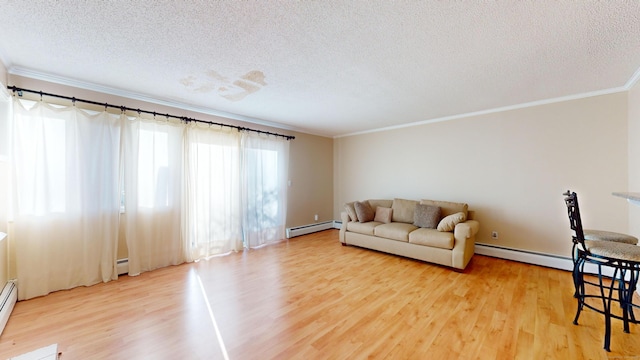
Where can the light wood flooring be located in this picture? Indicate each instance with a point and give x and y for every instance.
(311, 298)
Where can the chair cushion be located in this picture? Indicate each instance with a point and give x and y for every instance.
(615, 250)
(609, 236)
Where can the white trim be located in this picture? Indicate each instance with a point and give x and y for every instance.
(525, 256)
(308, 229)
(494, 110)
(16, 70)
(633, 80)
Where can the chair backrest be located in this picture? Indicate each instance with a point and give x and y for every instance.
(575, 221)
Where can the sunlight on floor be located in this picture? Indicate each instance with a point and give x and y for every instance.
(213, 319)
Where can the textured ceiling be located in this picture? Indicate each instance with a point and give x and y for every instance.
(329, 67)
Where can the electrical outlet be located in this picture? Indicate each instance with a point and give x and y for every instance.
(315, 217)
(494, 235)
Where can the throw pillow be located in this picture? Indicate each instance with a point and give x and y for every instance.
(351, 210)
(364, 211)
(426, 216)
(448, 223)
(383, 214)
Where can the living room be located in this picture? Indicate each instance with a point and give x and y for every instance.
(510, 162)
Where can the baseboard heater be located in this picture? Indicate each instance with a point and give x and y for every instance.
(308, 229)
(536, 258)
(8, 299)
(123, 266)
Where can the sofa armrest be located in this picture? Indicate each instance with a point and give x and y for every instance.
(466, 230)
(344, 217)
(465, 242)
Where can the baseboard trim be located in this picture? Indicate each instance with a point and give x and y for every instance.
(525, 256)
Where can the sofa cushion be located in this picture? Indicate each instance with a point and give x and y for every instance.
(447, 208)
(364, 211)
(432, 237)
(351, 210)
(403, 210)
(448, 223)
(383, 214)
(395, 231)
(380, 202)
(362, 228)
(426, 216)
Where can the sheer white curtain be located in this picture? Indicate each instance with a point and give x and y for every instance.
(213, 208)
(153, 168)
(265, 164)
(65, 203)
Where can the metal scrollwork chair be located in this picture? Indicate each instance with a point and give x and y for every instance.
(621, 264)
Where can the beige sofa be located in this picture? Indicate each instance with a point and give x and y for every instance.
(439, 232)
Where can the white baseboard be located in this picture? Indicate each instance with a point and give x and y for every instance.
(123, 266)
(308, 229)
(525, 256)
(8, 299)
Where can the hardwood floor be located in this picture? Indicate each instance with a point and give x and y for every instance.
(310, 298)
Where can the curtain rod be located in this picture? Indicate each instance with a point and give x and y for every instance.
(19, 91)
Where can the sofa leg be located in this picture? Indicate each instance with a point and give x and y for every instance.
(343, 243)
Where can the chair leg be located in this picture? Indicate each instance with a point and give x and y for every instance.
(578, 278)
(606, 304)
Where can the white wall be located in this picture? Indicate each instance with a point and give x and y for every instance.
(510, 167)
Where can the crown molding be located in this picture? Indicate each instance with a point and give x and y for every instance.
(32, 74)
(493, 111)
(633, 80)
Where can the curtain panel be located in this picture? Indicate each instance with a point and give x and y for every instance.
(177, 192)
(153, 167)
(65, 197)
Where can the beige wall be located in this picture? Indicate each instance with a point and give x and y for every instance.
(634, 155)
(311, 175)
(511, 167)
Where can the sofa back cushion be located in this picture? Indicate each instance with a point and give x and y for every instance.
(403, 210)
(380, 202)
(447, 208)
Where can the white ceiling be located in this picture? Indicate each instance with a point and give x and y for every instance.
(328, 67)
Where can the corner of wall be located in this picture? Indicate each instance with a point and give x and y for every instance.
(633, 128)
